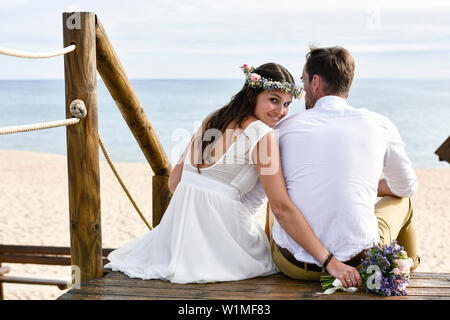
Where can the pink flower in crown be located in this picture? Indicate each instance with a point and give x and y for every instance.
(255, 77)
(397, 271)
(246, 67)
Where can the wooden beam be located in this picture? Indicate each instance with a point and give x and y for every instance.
(160, 198)
(35, 259)
(62, 285)
(64, 251)
(82, 145)
(119, 86)
(40, 259)
(117, 286)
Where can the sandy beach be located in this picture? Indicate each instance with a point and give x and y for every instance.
(34, 211)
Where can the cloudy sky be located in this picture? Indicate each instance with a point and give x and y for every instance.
(210, 39)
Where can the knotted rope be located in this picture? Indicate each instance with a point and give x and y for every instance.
(36, 55)
(77, 108)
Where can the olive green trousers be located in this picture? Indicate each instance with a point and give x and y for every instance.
(395, 222)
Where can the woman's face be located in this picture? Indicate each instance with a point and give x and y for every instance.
(272, 106)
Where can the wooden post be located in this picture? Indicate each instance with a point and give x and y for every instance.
(115, 79)
(80, 74)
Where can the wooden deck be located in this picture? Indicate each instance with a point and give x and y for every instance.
(115, 285)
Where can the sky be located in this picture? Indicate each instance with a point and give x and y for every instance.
(211, 39)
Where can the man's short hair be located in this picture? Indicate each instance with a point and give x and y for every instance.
(335, 65)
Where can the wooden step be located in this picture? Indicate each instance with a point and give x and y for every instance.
(116, 285)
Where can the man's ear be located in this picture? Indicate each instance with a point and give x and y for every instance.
(315, 82)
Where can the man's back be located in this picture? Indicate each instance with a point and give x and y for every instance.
(332, 157)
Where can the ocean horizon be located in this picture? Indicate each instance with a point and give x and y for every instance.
(175, 108)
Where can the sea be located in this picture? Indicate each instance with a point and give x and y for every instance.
(420, 108)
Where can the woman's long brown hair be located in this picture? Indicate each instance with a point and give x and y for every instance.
(242, 104)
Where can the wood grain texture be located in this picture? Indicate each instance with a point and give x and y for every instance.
(20, 249)
(120, 88)
(80, 74)
(160, 198)
(61, 284)
(116, 285)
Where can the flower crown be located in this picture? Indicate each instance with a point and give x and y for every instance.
(254, 80)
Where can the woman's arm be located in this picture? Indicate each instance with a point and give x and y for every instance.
(175, 175)
(269, 169)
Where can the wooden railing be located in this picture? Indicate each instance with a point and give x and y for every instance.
(95, 52)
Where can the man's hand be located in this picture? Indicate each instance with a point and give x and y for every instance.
(383, 189)
(348, 275)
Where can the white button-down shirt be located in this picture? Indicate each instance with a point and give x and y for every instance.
(332, 157)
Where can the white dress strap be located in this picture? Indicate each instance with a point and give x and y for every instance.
(256, 133)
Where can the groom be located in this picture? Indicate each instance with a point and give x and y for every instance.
(332, 158)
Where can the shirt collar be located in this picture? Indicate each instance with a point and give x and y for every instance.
(330, 103)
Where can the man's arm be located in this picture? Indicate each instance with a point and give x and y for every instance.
(289, 216)
(399, 175)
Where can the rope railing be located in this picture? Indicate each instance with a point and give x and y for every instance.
(38, 126)
(36, 55)
(77, 108)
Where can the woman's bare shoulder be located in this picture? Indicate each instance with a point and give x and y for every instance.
(248, 121)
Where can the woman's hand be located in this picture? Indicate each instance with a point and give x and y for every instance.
(348, 275)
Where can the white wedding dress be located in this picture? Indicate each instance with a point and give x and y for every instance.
(207, 233)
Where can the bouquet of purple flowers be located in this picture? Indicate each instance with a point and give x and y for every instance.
(384, 271)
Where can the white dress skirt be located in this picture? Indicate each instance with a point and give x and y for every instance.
(207, 233)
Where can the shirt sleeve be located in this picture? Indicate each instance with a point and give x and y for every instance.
(398, 171)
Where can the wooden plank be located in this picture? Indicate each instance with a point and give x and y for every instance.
(14, 249)
(121, 293)
(87, 296)
(229, 286)
(80, 74)
(115, 285)
(281, 277)
(260, 287)
(185, 294)
(62, 285)
(417, 280)
(39, 259)
(35, 259)
(239, 288)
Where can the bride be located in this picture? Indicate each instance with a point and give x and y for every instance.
(208, 233)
